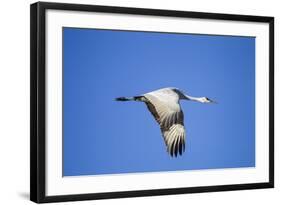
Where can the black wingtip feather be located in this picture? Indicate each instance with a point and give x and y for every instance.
(172, 149)
(178, 149)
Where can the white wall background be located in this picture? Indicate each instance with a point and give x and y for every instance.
(14, 100)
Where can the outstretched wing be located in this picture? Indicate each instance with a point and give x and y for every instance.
(170, 117)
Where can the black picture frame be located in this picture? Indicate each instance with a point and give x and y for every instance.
(38, 101)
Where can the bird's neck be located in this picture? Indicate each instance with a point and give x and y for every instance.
(198, 99)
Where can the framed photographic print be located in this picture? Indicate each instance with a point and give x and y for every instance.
(129, 102)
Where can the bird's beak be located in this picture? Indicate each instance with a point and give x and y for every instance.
(212, 101)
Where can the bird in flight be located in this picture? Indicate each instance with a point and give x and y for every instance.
(165, 107)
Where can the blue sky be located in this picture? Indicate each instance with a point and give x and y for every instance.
(102, 136)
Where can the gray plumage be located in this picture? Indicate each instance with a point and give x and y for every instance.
(165, 107)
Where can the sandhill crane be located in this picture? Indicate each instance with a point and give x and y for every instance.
(165, 107)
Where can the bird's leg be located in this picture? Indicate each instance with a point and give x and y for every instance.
(139, 98)
(135, 98)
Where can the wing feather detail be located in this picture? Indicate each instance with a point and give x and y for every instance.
(171, 120)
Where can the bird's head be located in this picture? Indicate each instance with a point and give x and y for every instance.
(206, 100)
